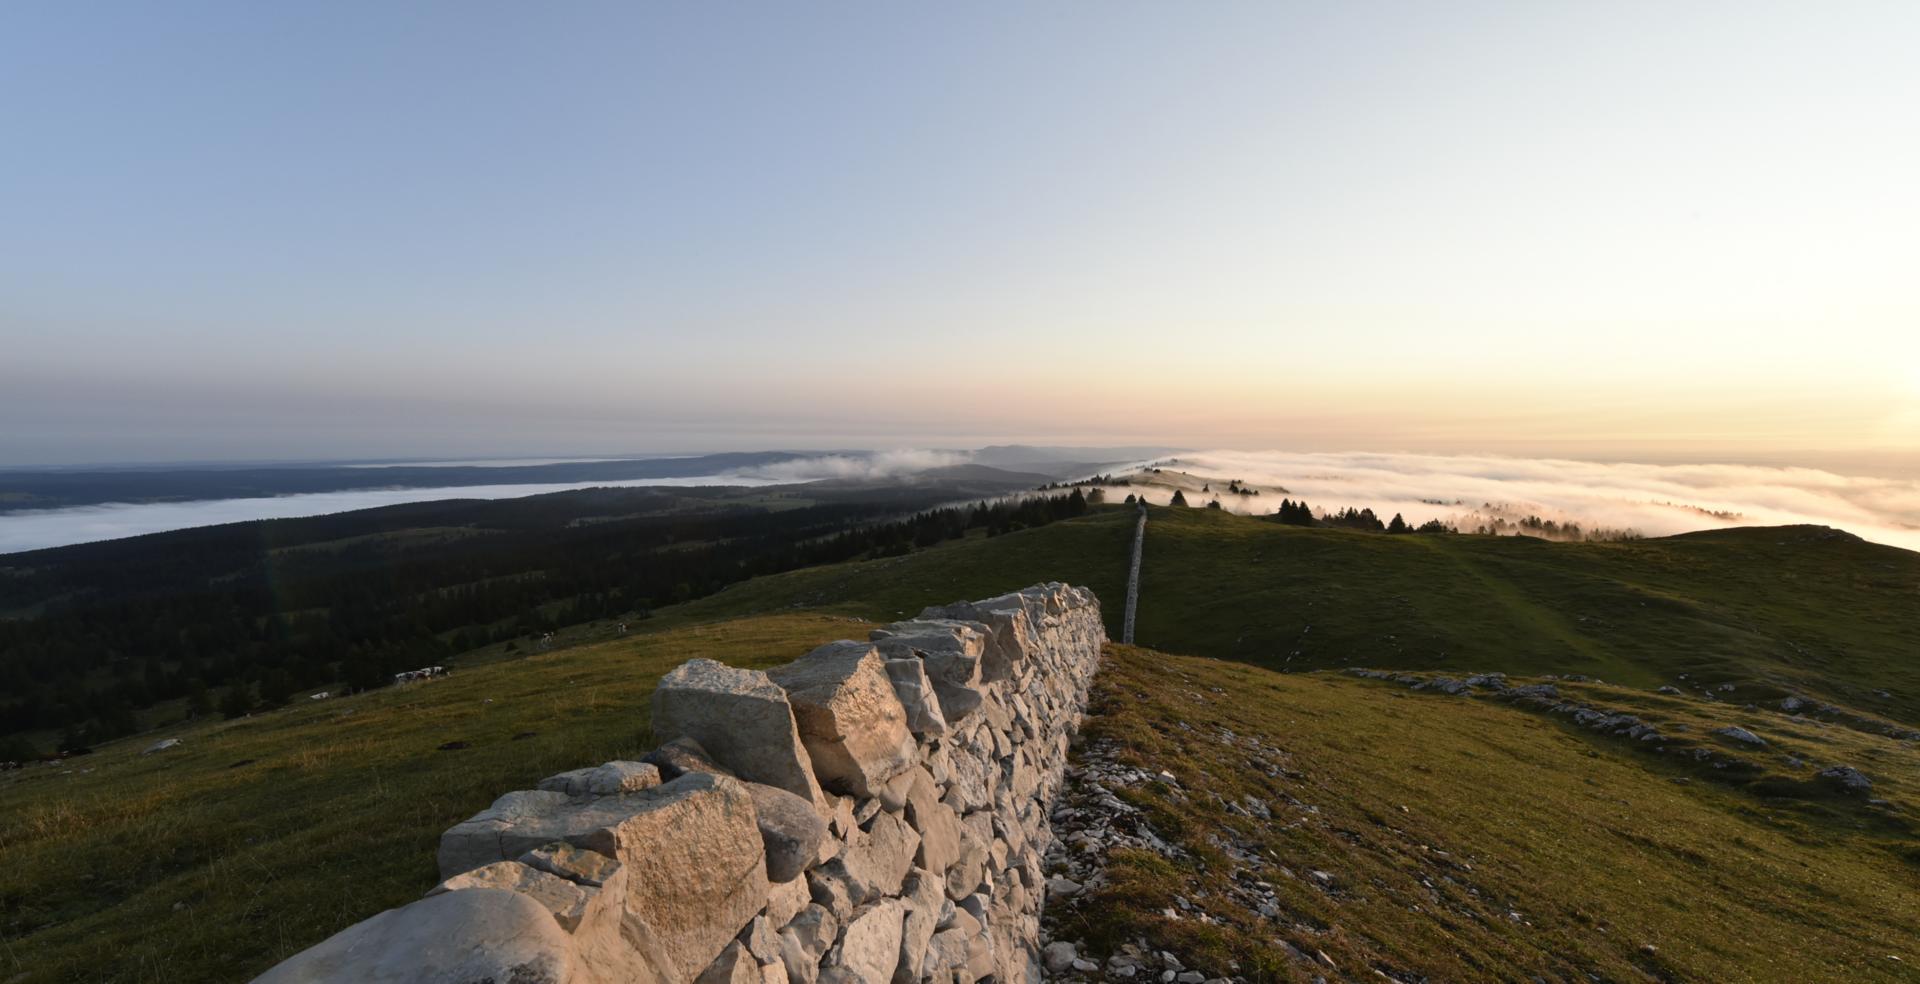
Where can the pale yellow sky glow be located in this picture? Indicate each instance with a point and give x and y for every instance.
(1635, 230)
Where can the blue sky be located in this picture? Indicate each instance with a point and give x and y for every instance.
(277, 230)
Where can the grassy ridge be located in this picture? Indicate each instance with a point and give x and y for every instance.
(1467, 839)
(1774, 610)
(259, 837)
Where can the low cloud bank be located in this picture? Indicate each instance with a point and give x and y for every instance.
(40, 528)
(1655, 500)
(856, 467)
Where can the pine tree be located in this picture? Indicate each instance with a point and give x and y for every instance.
(238, 701)
(199, 702)
(1398, 525)
(1179, 498)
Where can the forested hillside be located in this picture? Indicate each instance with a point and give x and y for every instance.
(232, 617)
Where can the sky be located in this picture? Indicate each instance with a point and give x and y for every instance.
(1626, 231)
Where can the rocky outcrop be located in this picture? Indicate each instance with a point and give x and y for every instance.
(873, 813)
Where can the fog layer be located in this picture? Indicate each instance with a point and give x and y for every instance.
(1655, 500)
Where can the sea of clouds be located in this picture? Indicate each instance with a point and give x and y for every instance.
(1654, 500)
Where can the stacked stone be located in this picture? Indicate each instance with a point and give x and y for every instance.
(872, 812)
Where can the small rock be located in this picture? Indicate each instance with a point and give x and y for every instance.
(1847, 778)
(1059, 955)
(1741, 735)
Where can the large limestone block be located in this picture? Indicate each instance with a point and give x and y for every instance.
(791, 830)
(482, 934)
(870, 947)
(566, 900)
(696, 866)
(691, 848)
(917, 696)
(952, 651)
(854, 727)
(740, 718)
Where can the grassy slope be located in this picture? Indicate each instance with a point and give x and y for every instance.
(1774, 610)
(336, 815)
(1550, 851)
(188, 866)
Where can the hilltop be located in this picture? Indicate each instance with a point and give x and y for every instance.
(1462, 834)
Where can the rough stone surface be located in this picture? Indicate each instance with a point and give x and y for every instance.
(741, 719)
(566, 900)
(576, 865)
(853, 725)
(454, 938)
(870, 947)
(924, 894)
(876, 861)
(917, 696)
(604, 780)
(935, 822)
(734, 965)
(791, 830)
(681, 756)
(478, 840)
(952, 651)
(786, 899)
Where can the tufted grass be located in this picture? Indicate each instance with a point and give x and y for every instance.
(1553, 852)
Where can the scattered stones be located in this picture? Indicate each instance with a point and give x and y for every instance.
(1741, 735)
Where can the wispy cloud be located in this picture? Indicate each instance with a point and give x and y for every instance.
(1656, 500)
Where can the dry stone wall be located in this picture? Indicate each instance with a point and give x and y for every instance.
(872, 813)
